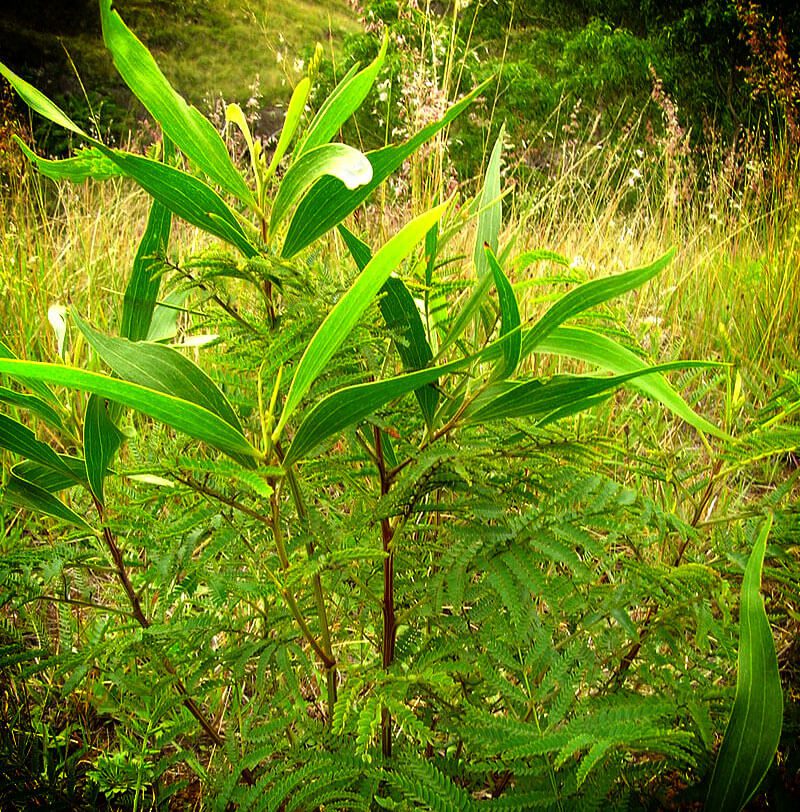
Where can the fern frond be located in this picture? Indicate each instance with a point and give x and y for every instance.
(422, 782)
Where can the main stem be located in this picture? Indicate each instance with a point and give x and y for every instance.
(389, 619)
(268, 294)
(324, 648)
(331, 674)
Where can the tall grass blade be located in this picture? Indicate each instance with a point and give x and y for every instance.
(341, 320)
(754, 729)
(191, 132)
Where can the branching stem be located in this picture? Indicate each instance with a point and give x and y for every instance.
(325, 651)
(142, 619)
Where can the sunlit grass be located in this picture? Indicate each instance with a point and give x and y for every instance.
(260, 41)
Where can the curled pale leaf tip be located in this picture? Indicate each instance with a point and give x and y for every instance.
(358, 173)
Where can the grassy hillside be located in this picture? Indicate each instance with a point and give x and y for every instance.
(227, 48)
(224, 46)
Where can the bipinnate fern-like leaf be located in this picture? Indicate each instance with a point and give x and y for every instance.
(367, 724)
(296, 780)
(422, 782)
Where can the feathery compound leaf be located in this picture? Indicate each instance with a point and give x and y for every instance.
(754, 729)
(540, 255)
(490, 216)
(191, 132)
(595, 348)
(589, 295)
(182, 415)
(26, 495)
(341, 320)
(228, 470)
(424, 783)
(329, 201)
(345, 99)
(347, 164)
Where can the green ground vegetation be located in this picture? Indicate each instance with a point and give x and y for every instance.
(310, 580)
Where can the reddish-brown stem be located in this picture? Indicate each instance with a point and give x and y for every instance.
(389, 619)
